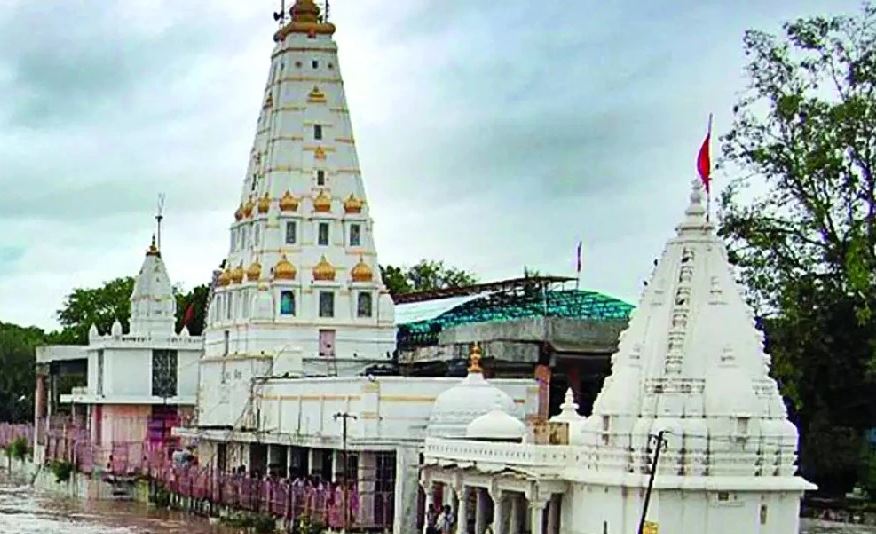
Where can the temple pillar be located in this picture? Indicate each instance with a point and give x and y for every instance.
(553, 522)
(514, 514)
(498, 516)
(536, 512)
(480, 510)
(462, 510)
(427, 506)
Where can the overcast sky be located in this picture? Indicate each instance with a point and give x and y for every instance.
(492, 134)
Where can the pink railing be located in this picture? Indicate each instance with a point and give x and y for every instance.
(321, 502)
(10, 433)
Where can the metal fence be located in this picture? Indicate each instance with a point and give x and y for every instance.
(321, 502)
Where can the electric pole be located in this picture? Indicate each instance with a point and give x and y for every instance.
(344, 416)
(659, 440)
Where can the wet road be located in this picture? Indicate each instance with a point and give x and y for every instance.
(26, 511)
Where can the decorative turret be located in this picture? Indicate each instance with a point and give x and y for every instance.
(353, 204)
(288, 202)
(316, 96)
(237, 274)
(254, 271)
(264, 203)
(305, 20)
(362, 272)
(284, 270)
(247, 208)
(322, 202)
(324, 271)
(152, 301)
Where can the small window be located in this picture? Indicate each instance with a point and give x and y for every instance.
(297, 64)
(355, 235)
(330, 65)
(255, 235)
(164, 373)
(229, 304)
(287, 303)
(317, 132)
(314, 64)
(291, 232)
(227, 335)
(326, 304)
(323, 234)
(320, 178)
(364, 305)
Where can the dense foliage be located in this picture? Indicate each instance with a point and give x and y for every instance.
(425, 275)
(801, 226)
(17, 380)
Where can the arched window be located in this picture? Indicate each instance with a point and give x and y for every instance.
(364, 305)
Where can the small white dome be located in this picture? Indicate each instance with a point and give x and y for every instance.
(116, 329)
(496, 425)
(458, 406)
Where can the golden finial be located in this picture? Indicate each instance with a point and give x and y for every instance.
(474, 359)
(237, 274)
(322, 202)
(306, 19)
(247, 208)
(353, 204)
(254, 271)
(153, 249)
(362, 272)
(324, 271)
(288, 202)
(264, 203)
(284, 270)
(316, 95)
(319, 153)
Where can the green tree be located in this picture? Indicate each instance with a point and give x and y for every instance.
(425, 275)
(801, 225)
(17, 346)
(99, 306)
(197, 299)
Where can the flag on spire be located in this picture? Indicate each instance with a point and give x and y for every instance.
(704, 162)
(189, 315)
(578, 257)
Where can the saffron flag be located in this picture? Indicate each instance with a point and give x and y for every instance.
(189, 315)
(578, 270)
(704, 162)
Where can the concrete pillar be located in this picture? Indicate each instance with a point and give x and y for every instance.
(366, 477)
(498, 515)
(462, 511)
(481, 511)
(406, 487)
(536, 511)
(514, 514)
(553, 515)
(40, 397)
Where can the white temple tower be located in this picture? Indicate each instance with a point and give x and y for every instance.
(301, 291)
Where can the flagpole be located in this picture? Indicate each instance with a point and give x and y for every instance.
(709, 183)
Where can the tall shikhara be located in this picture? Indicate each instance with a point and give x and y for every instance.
(301, 289)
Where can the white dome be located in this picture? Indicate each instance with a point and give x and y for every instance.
(458, 406)
(496, 425)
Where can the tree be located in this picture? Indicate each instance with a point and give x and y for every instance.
(424, 276)
(17, 346)
(99, 306)
(197, 299)
(803, 134)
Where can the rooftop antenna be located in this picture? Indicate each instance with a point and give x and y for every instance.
(159, 216)
(282, 15)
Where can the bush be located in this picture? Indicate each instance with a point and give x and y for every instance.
(62, 471)
(161, 498)
(18, 449)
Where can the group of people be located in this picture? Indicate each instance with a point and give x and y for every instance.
(440, 520)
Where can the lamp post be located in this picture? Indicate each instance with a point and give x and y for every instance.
(659, 441)
(345, 416)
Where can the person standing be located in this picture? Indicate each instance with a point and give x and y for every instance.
(446, 520)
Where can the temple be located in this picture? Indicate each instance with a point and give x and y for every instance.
(139, 384)
(690, 377)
